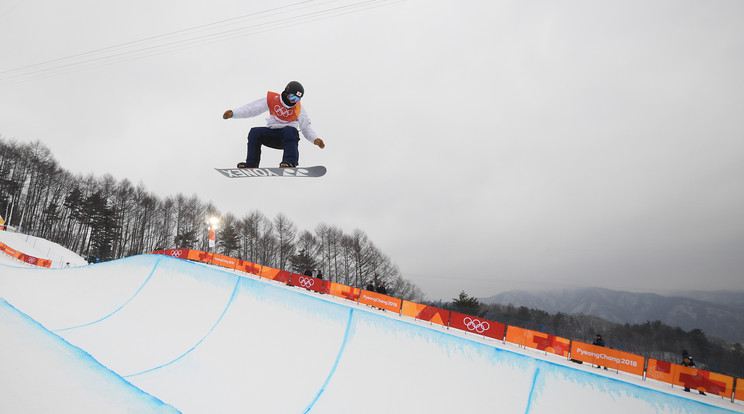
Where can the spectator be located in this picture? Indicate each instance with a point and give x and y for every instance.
(688, 362)
(598, 341)
(381, 289)
(370, 286)
(308, 272)
(317, 274)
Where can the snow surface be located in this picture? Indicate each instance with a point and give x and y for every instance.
(150, 333)
(39, 248)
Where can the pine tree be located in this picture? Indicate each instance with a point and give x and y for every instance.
(466, 304)
(186, 240)
(229, 239)
(302, 261)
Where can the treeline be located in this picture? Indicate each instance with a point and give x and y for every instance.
(110, 219)
(650, 339)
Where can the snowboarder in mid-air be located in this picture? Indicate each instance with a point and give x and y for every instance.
(281, 131)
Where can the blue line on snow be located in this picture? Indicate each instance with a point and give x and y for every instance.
(120, 307)
(232, 297)
(335, 364)
(532, 390)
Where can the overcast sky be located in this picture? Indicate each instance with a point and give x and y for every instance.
(483, 146)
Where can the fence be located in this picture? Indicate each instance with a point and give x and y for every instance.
(24, 257)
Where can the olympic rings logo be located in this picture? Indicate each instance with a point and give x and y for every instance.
(176, 253)
(476, 325)
(306, 282)
(282, 112)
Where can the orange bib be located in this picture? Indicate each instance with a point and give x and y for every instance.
(279, 111)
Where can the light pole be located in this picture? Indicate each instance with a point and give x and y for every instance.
(212, 222)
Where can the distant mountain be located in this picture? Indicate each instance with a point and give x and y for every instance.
(734, 300)
(718, 314)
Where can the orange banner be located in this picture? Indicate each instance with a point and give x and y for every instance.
(33, 260)
(307, 282)
(342, 291)
(7, 249)
(538, 340)
(608, 357)
(224, 261)
(24, 257)
(739, 394)
(517, 336)
(248, 267)
(275, 274)
(690, 377)
(200, 256)
(177, 253)
(380, 301)
(476, 325)
(660, 370)
(425, 312)
(701, 380)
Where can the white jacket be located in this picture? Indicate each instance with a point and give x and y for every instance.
(260, 106)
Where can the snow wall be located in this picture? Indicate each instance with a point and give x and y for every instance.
(204, 340)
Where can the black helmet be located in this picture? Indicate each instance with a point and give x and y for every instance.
(296, 88)
(296, 91)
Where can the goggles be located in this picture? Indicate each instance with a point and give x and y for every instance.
(293, 98)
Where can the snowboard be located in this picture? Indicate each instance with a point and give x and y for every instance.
(314, 171)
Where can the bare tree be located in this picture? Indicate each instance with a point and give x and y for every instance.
(118, 219)
(362, 250)
(330, 238)
(286, 232)
(252, 228)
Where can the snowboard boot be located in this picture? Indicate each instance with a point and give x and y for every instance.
(246, 165)
(287, 165)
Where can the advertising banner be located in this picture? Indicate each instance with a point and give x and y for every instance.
(8, 250)
(701, 380)
(538, 340)
(186, 254)
(33, 260)
(476, 325)
(518, 336)
(24, 257)
(660, 370)
(426, 313)
(247, 267)
(379, 300)
(342, 291)
(200, 256)
(275, 274)
(608, 357)
(307, 282)
(224, 261)
(739, 394)
(177, 253)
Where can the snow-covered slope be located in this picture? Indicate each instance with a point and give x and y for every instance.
(205, 340)
(42, 373)
(40, 248)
